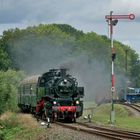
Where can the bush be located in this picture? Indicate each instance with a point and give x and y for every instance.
(9, 126)
(1, 135)
(9, 82)
(18, 126)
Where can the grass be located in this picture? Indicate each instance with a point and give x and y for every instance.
(124, 119)
(89, 104)
(19, 127)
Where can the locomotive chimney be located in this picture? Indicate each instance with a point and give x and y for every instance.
(63, 72)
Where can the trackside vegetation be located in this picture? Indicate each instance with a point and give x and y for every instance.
(124, 119)
(9, 82)
(19, 127)
(27, 50)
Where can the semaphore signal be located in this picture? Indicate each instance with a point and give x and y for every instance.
(112, 21)
(130, 16)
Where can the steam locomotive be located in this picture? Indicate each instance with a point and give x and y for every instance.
(54, 94)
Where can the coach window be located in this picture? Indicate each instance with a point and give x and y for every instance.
(21, 89)
(28, 89)
(32, 88)
(24, 89)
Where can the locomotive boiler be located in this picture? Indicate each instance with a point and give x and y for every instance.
(54, 94)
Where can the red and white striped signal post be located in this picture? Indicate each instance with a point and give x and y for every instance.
(112, 21)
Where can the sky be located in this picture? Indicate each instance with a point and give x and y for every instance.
(85, 15)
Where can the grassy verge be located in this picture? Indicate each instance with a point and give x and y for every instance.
(19, 127)
(124, 119)
(89, 104)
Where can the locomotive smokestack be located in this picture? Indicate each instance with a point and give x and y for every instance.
(63, 72)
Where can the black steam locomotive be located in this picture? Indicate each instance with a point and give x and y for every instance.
(55, 94)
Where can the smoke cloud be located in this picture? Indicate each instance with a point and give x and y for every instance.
(37, 56)
(92, 74)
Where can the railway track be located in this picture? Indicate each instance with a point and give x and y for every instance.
(134, 106)
(109, 133)
(102, 131)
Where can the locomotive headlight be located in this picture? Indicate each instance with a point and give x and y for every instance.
(54, 102)
(65, 80)
(77, 102)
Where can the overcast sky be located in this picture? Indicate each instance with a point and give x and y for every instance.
(86, 15)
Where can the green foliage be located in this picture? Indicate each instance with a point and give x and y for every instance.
(135, 69)
(9, 82)
(69, 30)
(95, 46)
(26, 48)
(19, 126)
(5, 62)
(9, 127)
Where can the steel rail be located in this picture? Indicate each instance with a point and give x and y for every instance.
(119, 131)
(134, 106)
(88, 130)
(118, 135)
